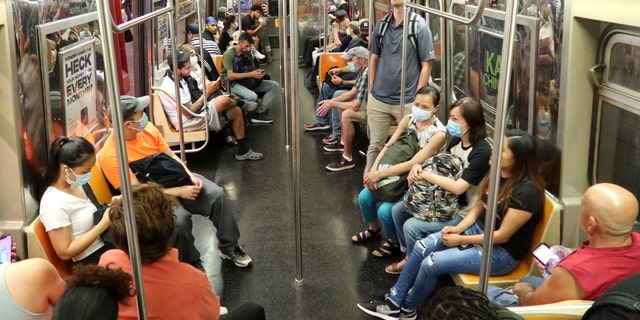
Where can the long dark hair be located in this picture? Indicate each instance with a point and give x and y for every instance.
(72, 151)
(525, 168)
(471, 111)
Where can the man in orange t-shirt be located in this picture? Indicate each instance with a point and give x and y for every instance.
(202, 197)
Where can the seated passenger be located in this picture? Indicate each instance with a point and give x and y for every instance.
(173, 290)
(348, 105)
(93, 292)
(612, 252)
(226, 33)
(431, 134)
(332, 88)
(66, 210)
(29, 289)
(467, 126)
(218, 110)
(234, 79)
(519, 210)
(211, 30)
(194, 38)
(203, 197)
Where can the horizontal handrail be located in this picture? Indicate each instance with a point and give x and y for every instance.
(136, 21)
(476, 16)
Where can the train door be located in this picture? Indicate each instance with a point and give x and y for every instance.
(616, 142)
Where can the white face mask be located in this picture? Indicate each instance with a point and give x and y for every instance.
(349, 32)
(194, 61)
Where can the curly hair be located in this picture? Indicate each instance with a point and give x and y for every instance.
(93, 292)
(458, 303)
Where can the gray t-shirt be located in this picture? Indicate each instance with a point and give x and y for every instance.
(10, 309)
(386, 85)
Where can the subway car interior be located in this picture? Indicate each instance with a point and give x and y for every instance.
(573, 83)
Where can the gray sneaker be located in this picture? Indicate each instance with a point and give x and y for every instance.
(250, 155)
(239, 257)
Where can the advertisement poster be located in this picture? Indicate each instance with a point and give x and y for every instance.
(78, 79)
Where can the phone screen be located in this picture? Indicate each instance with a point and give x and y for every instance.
(542, 253)
(6, 242)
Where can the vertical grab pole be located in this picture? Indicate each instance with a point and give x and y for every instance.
(284, 57)
(324, 29)
(295, 140)
(403, 82)
(498, 138)
(104, 19)
(172, 22)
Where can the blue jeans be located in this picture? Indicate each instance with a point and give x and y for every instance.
(325, 94)
(269, 87)
(432, 258)
(410, 229)
(368, 201)
(506, 298)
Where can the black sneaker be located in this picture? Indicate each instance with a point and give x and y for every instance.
(338, 147)
(381, 309)
(261, 118)
(239, 257)
(341, 165)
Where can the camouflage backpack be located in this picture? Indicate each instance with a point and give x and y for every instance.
(430, 202)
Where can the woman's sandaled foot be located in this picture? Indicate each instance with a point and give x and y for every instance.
(366, 235)
(386, 249)
(396, 267)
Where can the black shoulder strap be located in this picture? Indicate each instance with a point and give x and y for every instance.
(92, 196)
(382, 28)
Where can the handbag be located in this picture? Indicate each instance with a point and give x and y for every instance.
(392, 188)
(97, 215)
(430, 202)
(162, 169)
(242, 64)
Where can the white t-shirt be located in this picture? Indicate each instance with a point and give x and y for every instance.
(188, 124)
(59, 209)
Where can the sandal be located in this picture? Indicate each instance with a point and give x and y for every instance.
(386, 249)
(228, 135)
(365, 235)
(396, 267)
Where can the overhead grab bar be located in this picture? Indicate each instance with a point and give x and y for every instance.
(136, 21)
(446, 15)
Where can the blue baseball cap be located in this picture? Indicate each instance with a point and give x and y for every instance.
(210, 20)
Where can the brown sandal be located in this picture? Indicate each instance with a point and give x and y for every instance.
(396, 267)
(366, 235)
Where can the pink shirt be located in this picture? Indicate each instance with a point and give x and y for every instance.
(173, 290)
(597, 269)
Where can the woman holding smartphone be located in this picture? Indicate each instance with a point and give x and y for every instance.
(65, 209)
(458, 249)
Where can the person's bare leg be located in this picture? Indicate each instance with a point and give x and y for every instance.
(348, 118)
(237, 123)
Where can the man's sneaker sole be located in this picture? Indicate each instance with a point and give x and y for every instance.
(317, 128)
(241, 264)
(261, 121)
(376, 314)
(343, 168)
(333, 148)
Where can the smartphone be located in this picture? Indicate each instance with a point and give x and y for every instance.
(542, 253)
(465, 246)
(6, 242)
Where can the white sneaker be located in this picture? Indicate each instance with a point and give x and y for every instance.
(257, 53)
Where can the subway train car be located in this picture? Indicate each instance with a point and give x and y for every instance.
(573, 82)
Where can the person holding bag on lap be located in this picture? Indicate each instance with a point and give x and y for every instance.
(430, 134)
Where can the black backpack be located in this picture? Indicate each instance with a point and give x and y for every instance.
(618, 302)
(243, 63)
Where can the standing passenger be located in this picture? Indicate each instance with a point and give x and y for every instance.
(384, 74)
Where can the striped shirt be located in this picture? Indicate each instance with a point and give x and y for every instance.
(210, 46)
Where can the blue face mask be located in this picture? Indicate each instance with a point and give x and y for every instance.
(143, 122)
(421, 114)
(81, 179)
(454, 129)
(352, 67)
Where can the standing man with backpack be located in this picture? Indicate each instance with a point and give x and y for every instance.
(385, 68)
